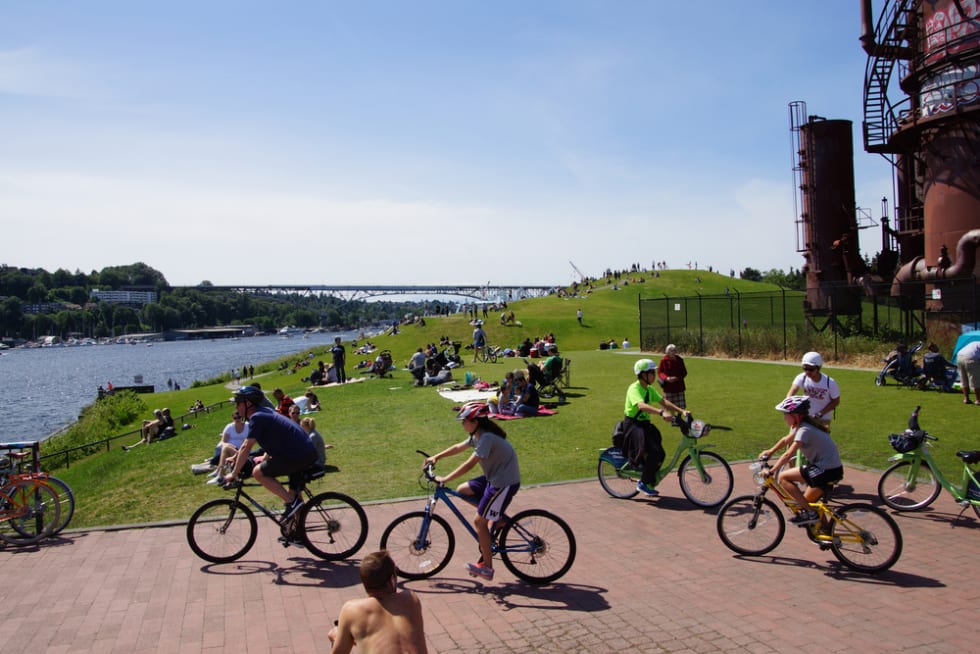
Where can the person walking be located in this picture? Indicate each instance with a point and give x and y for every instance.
(479, 339)
(822, 390)
(578, 316)
(671, 373)
(968, 363)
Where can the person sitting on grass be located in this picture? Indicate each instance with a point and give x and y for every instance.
(162, 426)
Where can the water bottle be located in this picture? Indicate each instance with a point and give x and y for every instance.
(758, 473)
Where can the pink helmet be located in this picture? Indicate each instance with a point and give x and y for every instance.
(795, 404)
(473, 410)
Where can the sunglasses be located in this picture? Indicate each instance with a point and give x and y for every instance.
(809, 368)
(236, 417)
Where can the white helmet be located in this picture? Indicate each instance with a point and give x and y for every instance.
(813, 359)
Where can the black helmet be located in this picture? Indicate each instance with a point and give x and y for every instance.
(249, 394)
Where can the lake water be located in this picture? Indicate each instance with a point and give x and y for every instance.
(44, 389)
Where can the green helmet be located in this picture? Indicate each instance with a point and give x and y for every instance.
(644, 365)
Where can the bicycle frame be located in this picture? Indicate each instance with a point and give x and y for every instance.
(446, 494)
(922, 453)
(818, 531)
(687, 445)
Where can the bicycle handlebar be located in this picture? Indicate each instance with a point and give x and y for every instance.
(429, 470)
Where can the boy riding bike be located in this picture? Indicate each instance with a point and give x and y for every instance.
(824, 467)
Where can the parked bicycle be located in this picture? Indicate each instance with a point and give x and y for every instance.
(488, 354)
(536, 545)
(330, 525)
(861, 536)
(15, 461)
(915, 481)
(29, 508)
(705, 477)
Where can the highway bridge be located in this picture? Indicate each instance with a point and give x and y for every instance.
(483, 293)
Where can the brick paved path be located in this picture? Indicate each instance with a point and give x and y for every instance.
(650, 576)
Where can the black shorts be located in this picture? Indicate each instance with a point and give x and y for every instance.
(294, 468)
(817, 477)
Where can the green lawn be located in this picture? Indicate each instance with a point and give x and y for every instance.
(377, 425)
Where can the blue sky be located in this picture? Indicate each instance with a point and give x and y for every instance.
(419, 142)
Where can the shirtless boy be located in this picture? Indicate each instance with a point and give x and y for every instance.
(387, 620)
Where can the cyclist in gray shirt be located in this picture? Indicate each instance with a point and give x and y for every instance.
(495, 488)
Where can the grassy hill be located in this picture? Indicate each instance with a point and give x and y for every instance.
(377, 425)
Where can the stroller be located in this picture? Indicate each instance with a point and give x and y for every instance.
(383, 364)
(901, 367)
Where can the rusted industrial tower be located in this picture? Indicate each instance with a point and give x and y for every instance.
(826, 216)
(922, 112)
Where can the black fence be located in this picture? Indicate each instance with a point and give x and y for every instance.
(777, 318)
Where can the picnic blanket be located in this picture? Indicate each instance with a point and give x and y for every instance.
(541, 412)
(467, 394)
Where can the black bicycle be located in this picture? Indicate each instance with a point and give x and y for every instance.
(331, 525)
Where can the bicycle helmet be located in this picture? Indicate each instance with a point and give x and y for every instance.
(795, 404)
(813, 359)
(644, 365)
(473, 410)
(249, 394)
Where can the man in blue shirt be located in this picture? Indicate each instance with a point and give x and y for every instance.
(288, 449)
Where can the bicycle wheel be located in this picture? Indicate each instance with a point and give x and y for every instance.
(710, 489)
(34, 511)
(492, 355)
(865, 538)
(537, 546)
(750, 524)
(900, 491)
(222, 531)
(616, 482)
(66, 499)
(419, 554)
(334, 526)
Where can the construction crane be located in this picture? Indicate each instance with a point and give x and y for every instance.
(577, 272)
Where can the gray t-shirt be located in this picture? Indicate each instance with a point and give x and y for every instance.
(818, 448)
(497, 458)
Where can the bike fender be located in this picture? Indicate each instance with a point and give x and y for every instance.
(613, 456)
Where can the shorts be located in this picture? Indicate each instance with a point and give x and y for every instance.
(816, 477)
(493, 501)
(294, 468)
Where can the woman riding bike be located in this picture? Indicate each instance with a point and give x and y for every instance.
(824, 467)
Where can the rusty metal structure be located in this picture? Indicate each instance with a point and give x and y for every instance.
(826, 215)
(922, 113)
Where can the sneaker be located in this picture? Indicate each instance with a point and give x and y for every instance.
(646, 490)
(480, 570)
(293, 507)
(214, 480)
(803, 518)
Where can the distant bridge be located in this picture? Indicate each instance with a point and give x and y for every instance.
(485, 293)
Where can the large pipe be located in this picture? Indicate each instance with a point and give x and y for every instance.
(966, 259)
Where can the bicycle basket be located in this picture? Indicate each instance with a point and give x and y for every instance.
(699, 428)
(907, 441)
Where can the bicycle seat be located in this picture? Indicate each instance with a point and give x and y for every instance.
(969, 456)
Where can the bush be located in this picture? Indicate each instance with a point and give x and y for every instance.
(98, 421)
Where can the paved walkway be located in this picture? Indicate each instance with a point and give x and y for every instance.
(650, 576)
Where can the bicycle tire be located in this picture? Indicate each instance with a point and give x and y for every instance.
(895, 490)
(414, 559)
(222, 531)
(866, 538)
(750, 525)
(39, 516)
(714, 488)
(617, 483)
(537, 546)
(66, 500)
(334, 526)
(492, 356)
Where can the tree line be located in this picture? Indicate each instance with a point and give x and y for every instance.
(35, 302)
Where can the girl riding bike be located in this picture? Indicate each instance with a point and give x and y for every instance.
(824, 467)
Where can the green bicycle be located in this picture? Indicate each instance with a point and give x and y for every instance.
(705, 477)
(914, 481)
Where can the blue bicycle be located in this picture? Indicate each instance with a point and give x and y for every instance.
(537, 546)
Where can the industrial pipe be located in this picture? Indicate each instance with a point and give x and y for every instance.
(966, 259)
